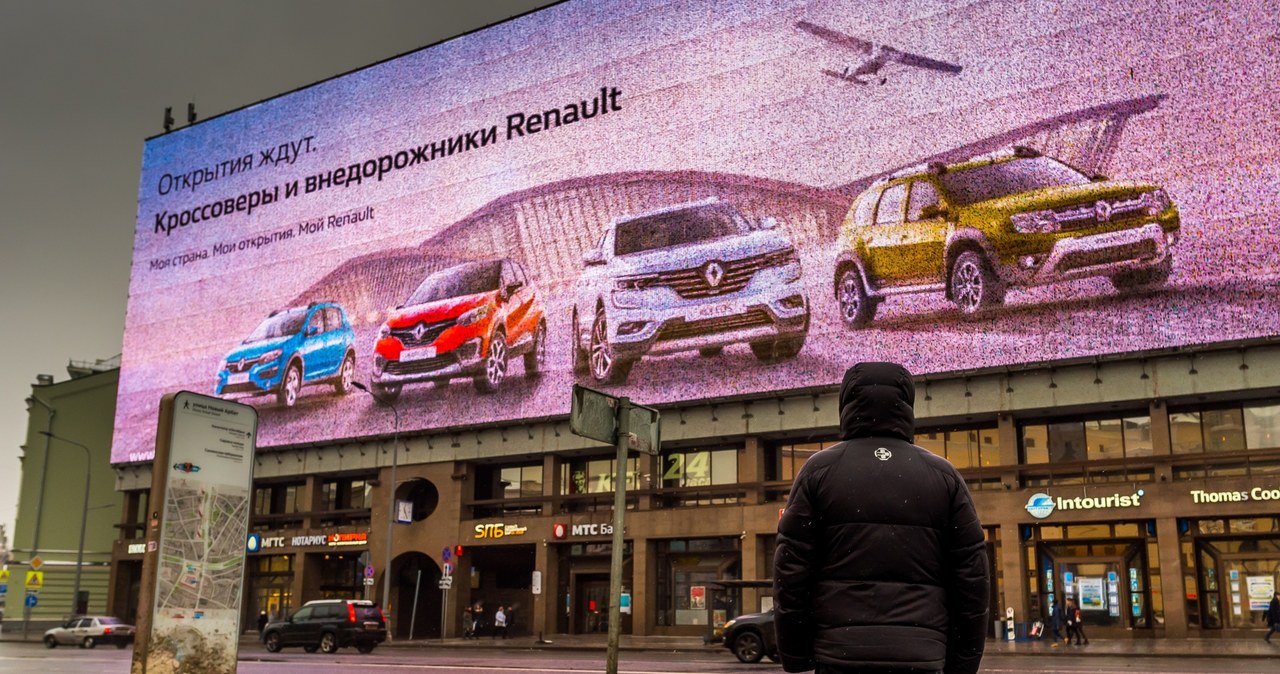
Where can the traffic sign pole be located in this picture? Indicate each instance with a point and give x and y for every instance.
(619, 511)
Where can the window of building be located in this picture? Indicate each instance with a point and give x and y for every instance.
(596, 475)
(340, 576)
(1091, 440)
(699, 467)
(1262, 426)
(1229, 429)
(785, 460)
(278, 499)
(521, 481)
(346, 493)
(964, 448)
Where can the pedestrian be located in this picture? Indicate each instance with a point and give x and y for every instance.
(262, 621)
(468, 629)
(880, 563)
(1075, 624)
(477, 619)
(1055, 622)
(1273, 616)
(500, 623)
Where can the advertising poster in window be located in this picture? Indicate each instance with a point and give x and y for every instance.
(698, 597)
(675, 201)
(1091, 596)
(1261, 589)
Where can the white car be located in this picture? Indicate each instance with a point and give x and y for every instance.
(691, 277)
(89, 631)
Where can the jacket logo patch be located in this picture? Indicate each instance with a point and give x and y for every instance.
(884, 454)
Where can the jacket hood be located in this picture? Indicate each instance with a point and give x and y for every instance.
(876, 400)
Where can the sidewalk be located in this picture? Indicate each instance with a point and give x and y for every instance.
(1215, 648)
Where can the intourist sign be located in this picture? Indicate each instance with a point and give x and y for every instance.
(1041, 505)
(1256, 494)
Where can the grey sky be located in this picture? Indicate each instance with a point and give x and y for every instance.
(82, 84)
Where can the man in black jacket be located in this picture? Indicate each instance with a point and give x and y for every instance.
(881, 564)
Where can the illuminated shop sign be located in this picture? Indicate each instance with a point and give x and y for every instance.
(1199, 496)
(499, 530)
(318, 540)
(599, 177)
(560, 531)
(1041, 505)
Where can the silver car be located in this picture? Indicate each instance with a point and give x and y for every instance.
(89, 631)
(691, 277)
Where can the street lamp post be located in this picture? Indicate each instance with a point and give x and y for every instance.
(391, 505)
(84, 517)
(44, 472)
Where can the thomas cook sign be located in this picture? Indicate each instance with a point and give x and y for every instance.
(1042, 505)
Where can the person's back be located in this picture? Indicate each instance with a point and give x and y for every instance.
(881, 564)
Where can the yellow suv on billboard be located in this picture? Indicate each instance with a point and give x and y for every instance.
(1012, 219)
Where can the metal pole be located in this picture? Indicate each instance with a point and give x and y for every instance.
(391, 504)
(44, 472)
(391, 517)
(84, 517)
(619, 511)
(413, 617)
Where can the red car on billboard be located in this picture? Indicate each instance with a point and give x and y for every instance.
(468, 320)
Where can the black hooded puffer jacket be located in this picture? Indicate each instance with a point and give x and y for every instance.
(880, 563)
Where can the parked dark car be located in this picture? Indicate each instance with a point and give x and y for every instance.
(751, 637)
(327, 625)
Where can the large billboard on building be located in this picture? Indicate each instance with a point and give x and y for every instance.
(676, 201)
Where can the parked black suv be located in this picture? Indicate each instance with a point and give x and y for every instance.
(327, 625)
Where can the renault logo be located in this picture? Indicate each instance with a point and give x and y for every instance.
(1102, 210)
(884, 454)
(713, 273)
(419, 330)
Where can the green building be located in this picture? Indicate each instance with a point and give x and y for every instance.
(68, 445)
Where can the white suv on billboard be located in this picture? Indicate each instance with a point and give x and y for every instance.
(691, 277)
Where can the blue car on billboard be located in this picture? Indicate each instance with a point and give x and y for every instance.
(290, 349)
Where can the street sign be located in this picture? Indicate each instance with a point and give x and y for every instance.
(35, 580)
(446, 582)
(368, 571)
(446, 553)
(4, 588)
(31, 601)
(368, 582)
(448, 569)
(35, 563)
(645, 429)
(4, 575)
(594, 415)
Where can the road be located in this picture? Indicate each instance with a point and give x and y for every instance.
(19, 658)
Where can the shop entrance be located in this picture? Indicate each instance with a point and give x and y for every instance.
(1109, 581)
(591, 610)
(1236, 580)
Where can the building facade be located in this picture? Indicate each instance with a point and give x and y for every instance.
(1144, 488)
(55, 513)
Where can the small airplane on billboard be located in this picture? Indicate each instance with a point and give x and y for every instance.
(872, 70)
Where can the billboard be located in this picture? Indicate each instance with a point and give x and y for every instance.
(676, 201)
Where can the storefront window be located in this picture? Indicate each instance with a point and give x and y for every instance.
(270, 579)
(686, 571)
(340, 576)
